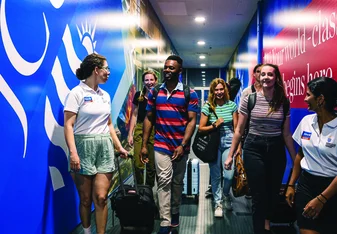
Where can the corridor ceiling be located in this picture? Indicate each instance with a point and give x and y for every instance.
(226, 22)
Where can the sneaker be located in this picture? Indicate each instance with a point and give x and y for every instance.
(164, 230)
(175, 220)
(228, 203)
(218, 213)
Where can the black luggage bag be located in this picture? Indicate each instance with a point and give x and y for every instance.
(284, 214)
(134, 206)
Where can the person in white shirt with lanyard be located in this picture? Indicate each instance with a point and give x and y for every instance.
(316, 161)
(89, 134)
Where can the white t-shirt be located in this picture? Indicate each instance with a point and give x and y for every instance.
(319, 149)
(92, 107)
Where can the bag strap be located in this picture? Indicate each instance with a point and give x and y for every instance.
(211, 111)
(253, 88)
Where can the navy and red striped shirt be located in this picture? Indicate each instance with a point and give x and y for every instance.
(171, 117)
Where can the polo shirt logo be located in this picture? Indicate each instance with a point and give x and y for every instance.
(87, 99)
(329, 144)
(306, 135)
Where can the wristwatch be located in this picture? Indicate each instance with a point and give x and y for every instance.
(183, 145)
(214, 124)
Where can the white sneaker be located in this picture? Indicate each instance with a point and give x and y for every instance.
(218, 213)
(228, 203)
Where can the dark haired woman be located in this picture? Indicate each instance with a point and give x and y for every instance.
(226, 111)
(90, 136)
(316, 161)
(263, 150)
(135, 135)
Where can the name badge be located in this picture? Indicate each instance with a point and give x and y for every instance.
(306, 135)
(88, 99)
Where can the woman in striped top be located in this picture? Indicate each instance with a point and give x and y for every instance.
(263, 151)
(226, 110)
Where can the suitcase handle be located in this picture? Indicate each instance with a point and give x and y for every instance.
(121, 183)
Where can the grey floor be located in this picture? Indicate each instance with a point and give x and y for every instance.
(199, 218)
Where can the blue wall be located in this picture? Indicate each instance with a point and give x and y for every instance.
(42, 43)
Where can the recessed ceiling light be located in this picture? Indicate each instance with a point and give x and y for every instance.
(202, 56)
(203, 75)
(203, 72)
(199, 19)
(201, 43)
(203, 79)
(202, 65)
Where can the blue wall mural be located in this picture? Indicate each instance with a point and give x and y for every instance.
(42, 44)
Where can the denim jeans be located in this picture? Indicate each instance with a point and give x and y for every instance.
(264, 161)
(216, 167)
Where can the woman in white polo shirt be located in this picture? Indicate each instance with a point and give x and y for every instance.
(90, 137)
(316, 161)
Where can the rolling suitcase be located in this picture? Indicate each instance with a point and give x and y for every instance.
(191, 179)
(284, 214)
(134, 206)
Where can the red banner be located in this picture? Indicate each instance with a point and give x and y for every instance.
(305, 48)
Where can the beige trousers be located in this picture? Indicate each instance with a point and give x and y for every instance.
(170, 185)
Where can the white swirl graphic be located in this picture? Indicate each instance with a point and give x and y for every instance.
(87, 37)
(61, 86)
(56, 178)
(22, 66)
(17, 107)
(57, 3)
(54, 131)
(74, 61)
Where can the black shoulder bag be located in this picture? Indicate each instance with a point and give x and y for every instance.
(205, 145)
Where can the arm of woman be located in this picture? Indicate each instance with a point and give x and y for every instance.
(69, 121)
(132, 124)
(115, 140)
(288, 140)
(239, 131)
(203, 128)
(235, 124)
(294, 176)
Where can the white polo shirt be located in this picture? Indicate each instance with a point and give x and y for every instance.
(319, 149)
(92, 108)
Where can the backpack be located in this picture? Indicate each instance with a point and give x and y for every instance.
(186, 93)
(252, 102)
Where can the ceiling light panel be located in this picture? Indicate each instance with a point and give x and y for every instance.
(199, 19)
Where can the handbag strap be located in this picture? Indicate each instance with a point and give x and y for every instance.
(212, 111)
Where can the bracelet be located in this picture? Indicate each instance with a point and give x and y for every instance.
(324, 197)
(320, 200)
(291, 185)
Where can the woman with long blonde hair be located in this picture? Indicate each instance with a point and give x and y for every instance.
(220, 112)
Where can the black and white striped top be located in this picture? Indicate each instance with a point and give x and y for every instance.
(261, 124)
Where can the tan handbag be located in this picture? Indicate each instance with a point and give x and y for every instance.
(239, 183)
